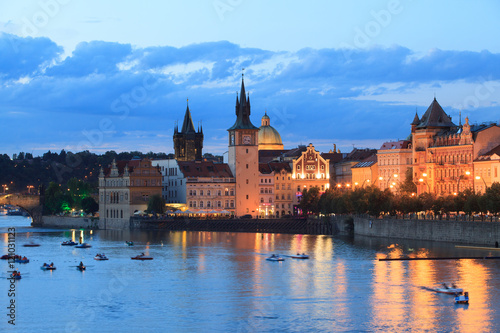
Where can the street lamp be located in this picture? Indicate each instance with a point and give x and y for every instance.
(29, 188)
(5, 188)
(467, 173)
(421, 180)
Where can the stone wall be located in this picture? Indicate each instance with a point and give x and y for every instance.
(69, 222)
(458, 232)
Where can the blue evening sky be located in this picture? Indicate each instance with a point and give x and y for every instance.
(115, 75)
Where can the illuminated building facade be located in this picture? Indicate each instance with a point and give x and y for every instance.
(365, 173)
(393, 159)
(443, 154)
(487, 170)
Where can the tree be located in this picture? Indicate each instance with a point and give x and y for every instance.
(408, 186)
(53, 199)
(89, 205)
(310, 201)
(156, 204)
(492, 198)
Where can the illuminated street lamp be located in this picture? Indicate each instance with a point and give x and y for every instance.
(29, 188)
(5, 188)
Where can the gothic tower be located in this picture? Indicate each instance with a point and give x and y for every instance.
(188, 143)
(243, 157)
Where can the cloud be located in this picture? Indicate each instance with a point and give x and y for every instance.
(338, 95)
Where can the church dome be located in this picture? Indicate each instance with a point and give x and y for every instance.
(269, 138)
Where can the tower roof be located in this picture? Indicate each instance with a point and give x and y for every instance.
(187, 125)
(243, 111)
(435, 117)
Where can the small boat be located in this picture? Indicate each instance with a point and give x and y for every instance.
(448, 290)
(69, 243)
(81, 268)
(7, 256)
(15, 275)
(129, 243)
(300, 256)
(50, 267)
(141, 257)
(83, 246)
(100, 256)
(462, 299)
(31, 244)
(275, 257)
(22, 260)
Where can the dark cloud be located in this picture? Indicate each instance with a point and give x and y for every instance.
(308, 94)
(21, 57)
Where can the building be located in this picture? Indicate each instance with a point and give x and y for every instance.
(393, 161)
(188, 143)
(487, 170)
(443, 153)
(243, 157)
(269, 138)
(366, 173)
(343, 172)
(309, 170)
(124, 189)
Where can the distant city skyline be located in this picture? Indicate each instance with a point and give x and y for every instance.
(115, 76)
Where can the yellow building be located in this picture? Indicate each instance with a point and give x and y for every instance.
(394, 159)
(365, 172)
(487, 170)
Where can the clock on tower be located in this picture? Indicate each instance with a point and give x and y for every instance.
(247, 139)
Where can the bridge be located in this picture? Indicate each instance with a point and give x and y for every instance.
(31, 203)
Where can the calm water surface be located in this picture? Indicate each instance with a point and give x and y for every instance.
(221, 282)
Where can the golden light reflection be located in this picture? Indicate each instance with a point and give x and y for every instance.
(423, 274)
(474, 278)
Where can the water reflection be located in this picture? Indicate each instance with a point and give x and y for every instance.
(223, 281)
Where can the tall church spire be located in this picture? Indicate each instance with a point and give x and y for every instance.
(187, 125)
(243, 110)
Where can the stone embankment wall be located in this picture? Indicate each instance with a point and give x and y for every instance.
(458, 232)
(69, 222)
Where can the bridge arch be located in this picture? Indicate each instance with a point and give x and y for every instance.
(31, 203)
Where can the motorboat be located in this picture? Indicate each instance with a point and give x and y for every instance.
(31, 244)
(275, 257)
(100, 256)
(69, 243)
(81, 268)
(129, 243)
(300, 256)
(462, 299)
(15, 275)
(83, 246)
(448, 290)
(46, 267)
(141, 257)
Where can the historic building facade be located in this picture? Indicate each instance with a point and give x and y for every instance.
(393, 160)
(444, 153)
(188, 143)
(125, 188)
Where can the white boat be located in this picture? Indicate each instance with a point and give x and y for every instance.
(100, 257)
(300, 256)
(275, 257)
(448, 290)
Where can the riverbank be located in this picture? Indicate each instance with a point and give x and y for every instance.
(457, 232)
(65, 222)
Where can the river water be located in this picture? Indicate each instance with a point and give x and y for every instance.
(221, 282)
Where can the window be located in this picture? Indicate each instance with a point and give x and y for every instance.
(247, 181)
(219, 193)
(298, 167)
(270, 200)
(261, 200)
(194, 204)
(209, 204)
(194, 192)
(247, 151)
(277, 197)
(282, 186)
(201, 204)
(298, 188)
(261, 180)
(247, 196)
(278, 186)
(261, 191)
(201, 192)
(232, 204)
(247, 166)
(208, 192)
(219, 204)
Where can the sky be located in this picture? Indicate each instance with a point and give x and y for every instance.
(116, 75)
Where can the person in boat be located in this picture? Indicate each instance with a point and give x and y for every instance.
(81, 264)
(51, 264)
(45, 264)
(445, 286)
(453, 286)
(24, 258)
(142, 254)
(14, 274)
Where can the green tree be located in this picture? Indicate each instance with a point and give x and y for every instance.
(309, 203)
(408, 186)
(492, 198)
(53, 199)
(156, 204)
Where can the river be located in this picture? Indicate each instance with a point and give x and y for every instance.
(221, 282)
